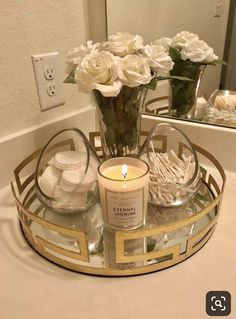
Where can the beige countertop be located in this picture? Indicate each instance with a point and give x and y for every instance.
(31, 287)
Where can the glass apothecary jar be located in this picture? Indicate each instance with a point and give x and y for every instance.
(66, 173)
(174, 168)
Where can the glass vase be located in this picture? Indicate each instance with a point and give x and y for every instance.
(120, 121)
(183, 94)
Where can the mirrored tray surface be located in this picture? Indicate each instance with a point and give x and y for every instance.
(80, 242)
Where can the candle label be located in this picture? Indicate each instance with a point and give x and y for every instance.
(125, 209)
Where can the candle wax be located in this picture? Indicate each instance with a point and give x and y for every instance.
(115, 172)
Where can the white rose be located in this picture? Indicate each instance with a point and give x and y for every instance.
(75, 55)
(164, 42)
(123, 43)
(198, 51)
(182, 38)
(134, 70)
(159, 60)
(98, 71)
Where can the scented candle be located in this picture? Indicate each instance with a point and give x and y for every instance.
(123, 186)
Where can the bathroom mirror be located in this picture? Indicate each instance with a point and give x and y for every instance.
(213, 21)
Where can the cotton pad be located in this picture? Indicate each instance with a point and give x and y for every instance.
(77, 179)
(90, 176)
(49, 179)
(71, 179)
(72, 200)
(68, 160)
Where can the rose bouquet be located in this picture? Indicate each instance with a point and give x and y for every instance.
(123, 60)
(190, 56)
(119, 72)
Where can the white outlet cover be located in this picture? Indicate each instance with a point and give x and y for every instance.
(40, 63)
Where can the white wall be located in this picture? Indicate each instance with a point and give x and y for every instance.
(156, 18)
(30, 27)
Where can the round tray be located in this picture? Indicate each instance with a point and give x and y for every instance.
(169, 236)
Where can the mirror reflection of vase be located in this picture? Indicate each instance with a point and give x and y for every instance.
(183, 94)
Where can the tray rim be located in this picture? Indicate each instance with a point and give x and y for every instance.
(194, 243)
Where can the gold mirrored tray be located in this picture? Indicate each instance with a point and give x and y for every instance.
(170, 235)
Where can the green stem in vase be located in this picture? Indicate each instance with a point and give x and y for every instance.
(120, 118)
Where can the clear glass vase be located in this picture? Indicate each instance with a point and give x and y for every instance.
(120, 121)
(183, 94)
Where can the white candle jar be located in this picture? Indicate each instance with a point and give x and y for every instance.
(123, 196)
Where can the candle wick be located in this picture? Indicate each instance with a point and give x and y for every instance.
(124, 170)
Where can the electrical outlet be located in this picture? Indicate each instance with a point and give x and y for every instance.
(48, 80)
(51, 89)
(49, 72)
